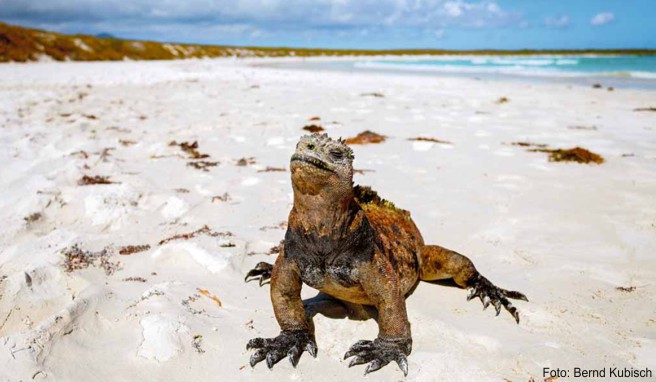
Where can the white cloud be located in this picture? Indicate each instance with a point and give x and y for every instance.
(557, 22)
(295, 22)
(263, 14)
(602, 18)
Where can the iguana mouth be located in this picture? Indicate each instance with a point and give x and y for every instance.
(313, 161)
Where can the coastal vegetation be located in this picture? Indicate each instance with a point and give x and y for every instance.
(19, 44)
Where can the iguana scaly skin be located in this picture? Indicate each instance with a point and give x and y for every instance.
(362, 253)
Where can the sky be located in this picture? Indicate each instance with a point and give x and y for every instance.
(351, 24)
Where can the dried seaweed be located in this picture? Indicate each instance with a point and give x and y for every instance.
(576, 154)
(366, 137)
(104, 154)
(373, 94)
(645, 109)
(187, 304)
(197, 343)
(245, 161)
(181, 190)
(76, 259)
(503, 100)
(31, 218)
(626, 289)
(138, 279)
(205, 230)
(83, 154)
(126, 142)
(206, 293)
(596, 86)
(273, 169)
(222, 198)
(314, 119)
(529, 144)
(281, 225)
(427, 139)
(131, 249)
(313, 128)
(190, 149)
(95, 179)
(202, 165)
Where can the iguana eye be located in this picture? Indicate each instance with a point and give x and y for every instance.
(311, 146)
(336, 154)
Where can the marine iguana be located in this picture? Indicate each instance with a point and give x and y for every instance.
(363, 254)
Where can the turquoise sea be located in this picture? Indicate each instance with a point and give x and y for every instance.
(631, 71)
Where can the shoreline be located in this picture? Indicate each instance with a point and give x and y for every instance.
(350, 64)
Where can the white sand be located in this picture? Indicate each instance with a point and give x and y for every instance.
(565, 234)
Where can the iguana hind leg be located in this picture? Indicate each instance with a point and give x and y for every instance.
(437, 263)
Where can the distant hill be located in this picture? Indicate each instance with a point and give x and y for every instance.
(23, 44)
(104, 35)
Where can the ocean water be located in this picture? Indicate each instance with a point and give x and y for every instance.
(549, 66)
(629, 71)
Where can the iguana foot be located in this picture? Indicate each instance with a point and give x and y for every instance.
(262, 272)
(379, 353)
(491, 294)
(288, 343)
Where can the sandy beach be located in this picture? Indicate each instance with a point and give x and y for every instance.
(192, 158)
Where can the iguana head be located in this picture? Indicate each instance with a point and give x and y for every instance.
(321, 165)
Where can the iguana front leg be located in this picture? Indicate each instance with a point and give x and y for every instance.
(394, 341)
(296, 335)
(437, 263)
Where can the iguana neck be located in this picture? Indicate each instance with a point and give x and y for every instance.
(323, 214)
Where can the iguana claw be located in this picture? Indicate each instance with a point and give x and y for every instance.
(289, 344)
(262, 272)
(379, 353)
(489, 293)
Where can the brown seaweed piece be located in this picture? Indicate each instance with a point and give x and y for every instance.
(95, 179)
(529, 144)
(273, 169)
(366, 137)
(205, 230)
(130, 249)
(207, 293)
(203, 165)
(313, 128)
(76, 259)
(31, 218)
(428, 139)
(576, 154)
(221, 198)
(245, 161)
(503, 100)
(138, 279)
(373, 94)
(190, 149)
(645, 109)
